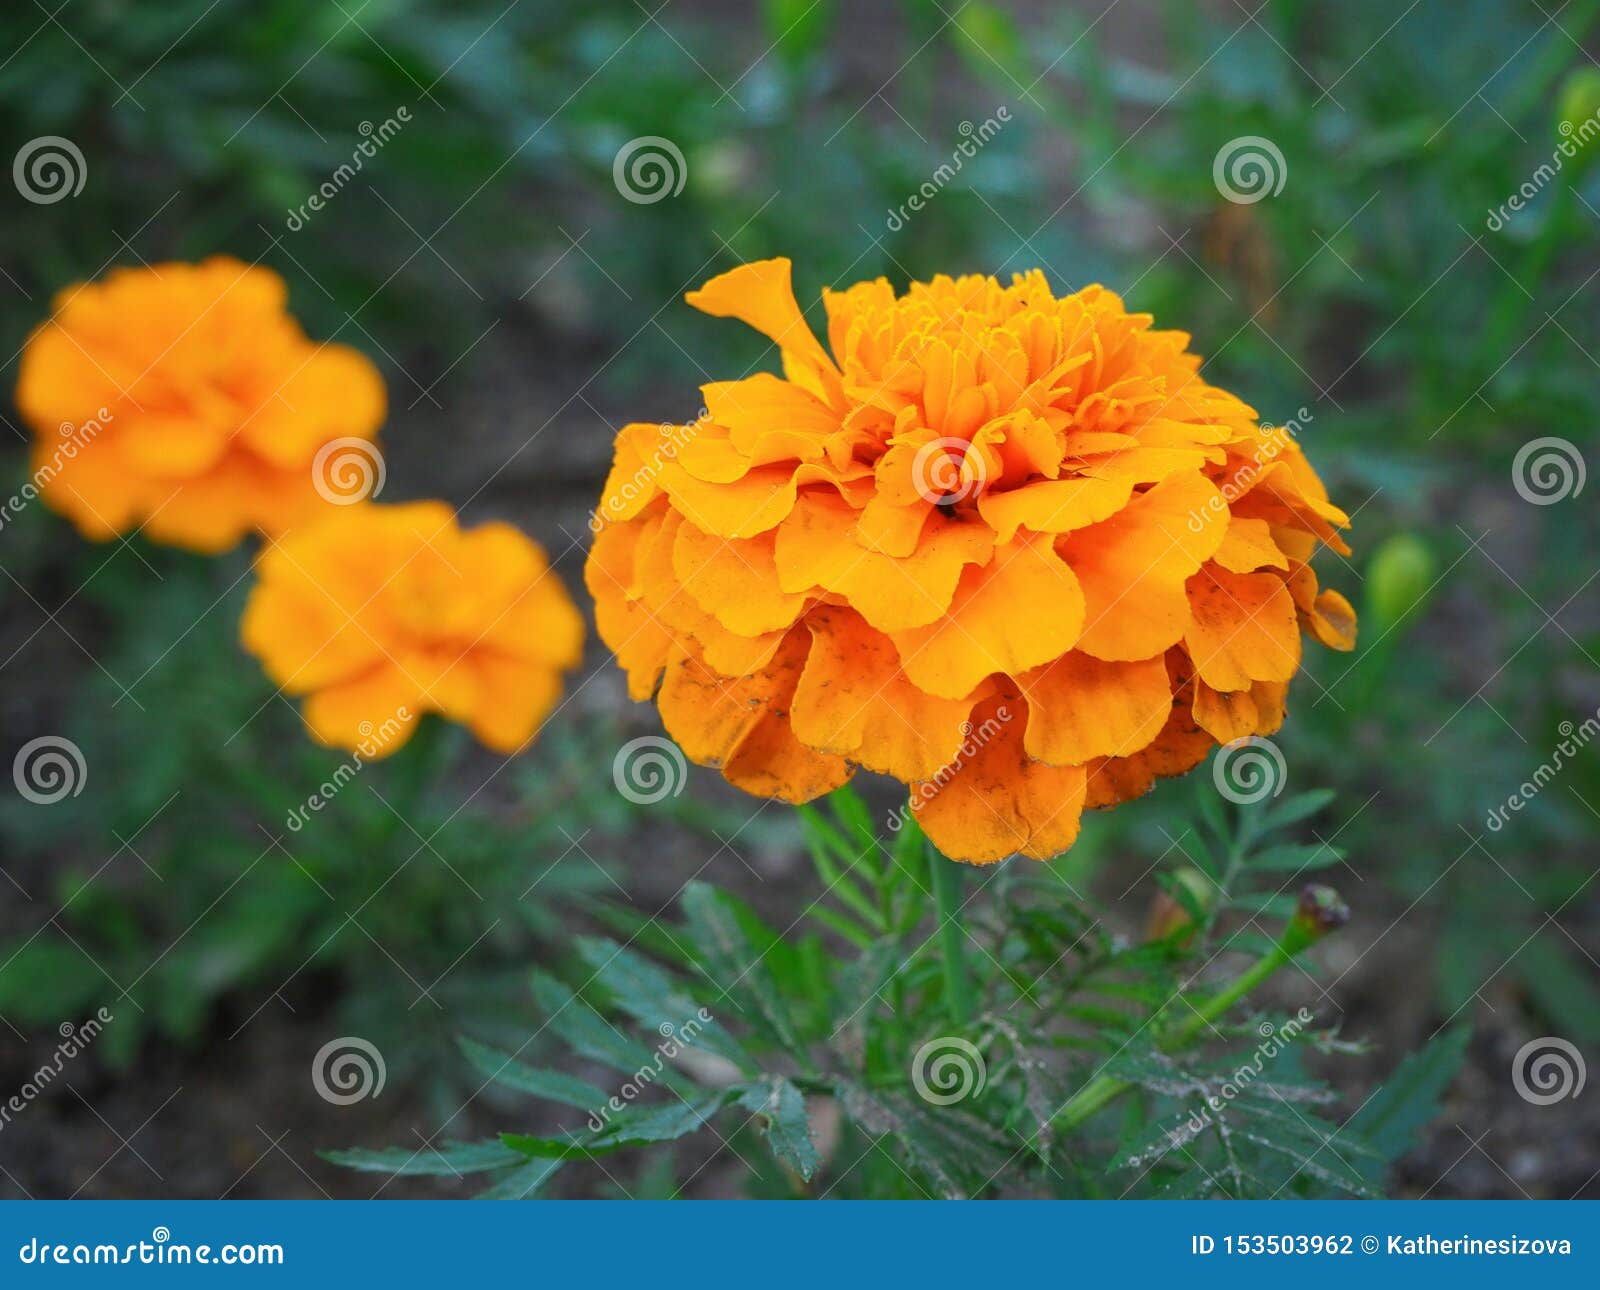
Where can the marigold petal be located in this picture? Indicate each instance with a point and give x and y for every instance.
(761, 295)
(1054, 505)
(345, 715)
(1133, 567)
(1081, 707)
(1248, 545)
(1242, 628)
(983, 632)
(816, 547)
(996, 801)
(734, 579)
(854, 701)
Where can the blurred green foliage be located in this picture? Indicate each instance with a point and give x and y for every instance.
(1426, 343)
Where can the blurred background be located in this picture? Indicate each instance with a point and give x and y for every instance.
(1355, 207)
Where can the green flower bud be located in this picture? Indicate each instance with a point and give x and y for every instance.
(1399, 577)
(1580, 101)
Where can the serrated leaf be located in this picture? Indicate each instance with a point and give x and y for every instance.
(1409, 1099)
(631, 1127)
(652, 998)
(453, 1159)
(591, 1035)
(956, 1152)
(523, 1182)
(1292, 857)
(725, 934)
(788, 1129)
(1291, 810)
(506, 1070)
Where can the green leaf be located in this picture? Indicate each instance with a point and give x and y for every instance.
(1409, 1099)
(46, 981)
(506, 1070)
(782, 1107)
(955, 1152)
(452, 1159)
(1291, 810)
(735, 945)
(631, 1127)
(591, 1035)
(653, 999)
(524, 1182)
(1295, 856)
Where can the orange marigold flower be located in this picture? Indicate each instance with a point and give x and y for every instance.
(1008, 548)
(381, 613)
(185, 399)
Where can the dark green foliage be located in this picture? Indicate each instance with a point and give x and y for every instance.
(740, 1031)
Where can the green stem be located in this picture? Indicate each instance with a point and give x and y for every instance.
(946, 877)
(1320, 912)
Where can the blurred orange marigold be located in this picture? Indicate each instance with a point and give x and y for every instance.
(381, 613)
(185, 399)
(1010, 549)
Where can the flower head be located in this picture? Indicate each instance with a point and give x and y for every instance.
(381, 613)
(183, 398)
(1010, 549)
